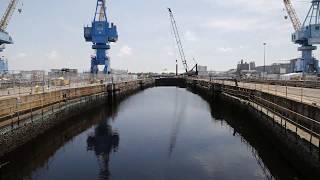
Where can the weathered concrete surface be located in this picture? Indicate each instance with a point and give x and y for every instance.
(296, 110)
(29, 124)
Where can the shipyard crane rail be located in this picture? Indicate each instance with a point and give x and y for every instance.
(292, 15)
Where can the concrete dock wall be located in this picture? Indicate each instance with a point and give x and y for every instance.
(35, 114)
(292, 126)
(294, 143)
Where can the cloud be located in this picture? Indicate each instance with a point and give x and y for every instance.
(256, 6)
(249, 16)
(170, 53)
(224, 49)
(170, 50)
(232, 24)
(53, 55)
(19, 56)
(190, 36)
(125, 51)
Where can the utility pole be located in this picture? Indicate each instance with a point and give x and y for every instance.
(264, 59)
(176, 67)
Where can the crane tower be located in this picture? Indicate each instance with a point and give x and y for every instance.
(101, 33)
(307, 35)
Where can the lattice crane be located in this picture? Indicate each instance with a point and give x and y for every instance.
(101, 33)
(178, 40)
(307, 35)
(180, 46)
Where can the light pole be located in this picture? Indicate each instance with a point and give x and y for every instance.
(264, 59)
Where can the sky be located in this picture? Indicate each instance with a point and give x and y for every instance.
(217, 33)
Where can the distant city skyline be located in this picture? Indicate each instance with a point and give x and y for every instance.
(218, 34)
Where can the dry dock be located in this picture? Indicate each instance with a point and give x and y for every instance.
(289, 116)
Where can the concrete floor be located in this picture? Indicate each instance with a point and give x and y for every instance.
(304, 95)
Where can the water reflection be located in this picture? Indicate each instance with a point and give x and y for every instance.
(103, 142)
(180, 103)
(272, 164)
(166, 133)
(37, 154)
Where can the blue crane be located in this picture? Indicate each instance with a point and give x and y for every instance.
(307, 35)
(5, 38)
(101, 33)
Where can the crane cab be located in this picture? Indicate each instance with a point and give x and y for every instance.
(101, 32)
(5, 38)
(309, 34)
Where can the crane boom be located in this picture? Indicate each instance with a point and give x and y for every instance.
(178, 40)
(8, 14)
(292, 14)
(102, 12)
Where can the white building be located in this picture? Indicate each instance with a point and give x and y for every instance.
(203, 70)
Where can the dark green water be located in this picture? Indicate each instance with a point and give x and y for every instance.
(160, 133)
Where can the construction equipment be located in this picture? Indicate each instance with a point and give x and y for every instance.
(101, 33)
(307, 35)
(180, 46)
(5, 38)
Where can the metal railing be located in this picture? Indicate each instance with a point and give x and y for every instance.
(16, 106)
(304, 127)
(22, 113)
(301, 94)
(13, 85)
(315, 84)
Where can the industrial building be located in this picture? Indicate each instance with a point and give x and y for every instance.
(203, 71)
(242, 65)
(34, 75)
(119, 71)
(273, 69)
(277, 68)
(63, 72)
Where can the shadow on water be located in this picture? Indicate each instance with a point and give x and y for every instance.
(266, 153)
(37, 154)
(179, 112)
